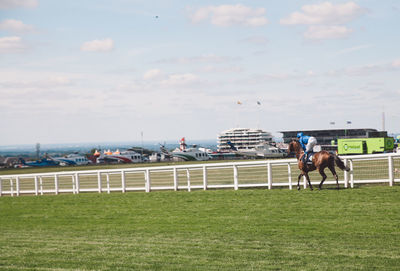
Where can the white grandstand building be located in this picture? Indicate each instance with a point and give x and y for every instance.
(242, 138)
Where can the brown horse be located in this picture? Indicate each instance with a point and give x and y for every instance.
(320, 161)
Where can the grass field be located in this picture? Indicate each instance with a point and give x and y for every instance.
(253, 229)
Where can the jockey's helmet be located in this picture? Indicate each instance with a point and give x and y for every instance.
(299, 135)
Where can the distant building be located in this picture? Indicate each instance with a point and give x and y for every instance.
(8, 162)
(242, 138)
(327, 137)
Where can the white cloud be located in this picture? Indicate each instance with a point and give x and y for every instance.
(50, 81)
(180, 79)
(258, 40)
(98, 45)
(257, 79)
(320, 32)
(210, 58)
(5, 4)
(353, 49)
(11, 45)
(324, 13)
(30, 92)
(152, 74)
(366, 70)
(60, 81)
(228, 15)
(396, 63)
(218, 69)
(15, 26)
(325, 20)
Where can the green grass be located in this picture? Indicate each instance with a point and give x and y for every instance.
(253, 229)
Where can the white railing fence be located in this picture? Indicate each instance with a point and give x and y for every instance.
(377, 168)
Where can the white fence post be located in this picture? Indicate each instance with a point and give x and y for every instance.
(148, 181)
(41, 185)
(175, 179)
(17, 185)
(36, 186)
(1, 190)
(108, 182)
(351, 174)
(290, 176)
(99, 181)
(123, 181)
(56, 183)
(235, 177)
(12, 187)
(77, 183)
(73, 184)
(188, 179)
(205, 181)
(346, 175)
(391, 176)
(269, 175)
(304, 182)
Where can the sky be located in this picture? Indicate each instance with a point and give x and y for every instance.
(93, 71)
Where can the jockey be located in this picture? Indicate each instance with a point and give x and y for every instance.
(307, 143)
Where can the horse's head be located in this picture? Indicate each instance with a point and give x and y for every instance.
(294, 146)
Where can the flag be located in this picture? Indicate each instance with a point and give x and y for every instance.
(348, 122)
(258, 103)
(239, 102)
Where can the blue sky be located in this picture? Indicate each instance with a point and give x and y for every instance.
(89, 71)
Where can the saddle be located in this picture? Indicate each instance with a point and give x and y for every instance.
(310, 157)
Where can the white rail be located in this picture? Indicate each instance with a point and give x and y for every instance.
(377, 168)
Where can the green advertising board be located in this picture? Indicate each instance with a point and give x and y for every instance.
(365, 145)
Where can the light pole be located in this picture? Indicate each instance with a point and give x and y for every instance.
(141, 134)
(345, 130)
(333, 141)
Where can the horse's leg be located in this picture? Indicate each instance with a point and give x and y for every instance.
(298, 181)
(332, 169)
(321, 171)
(309, 181)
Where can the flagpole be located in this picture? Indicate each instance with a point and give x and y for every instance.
(239, 103)
(259, 114)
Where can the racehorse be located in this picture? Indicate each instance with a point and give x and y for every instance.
(320, 161)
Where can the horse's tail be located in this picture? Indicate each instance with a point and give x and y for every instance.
(340, 163)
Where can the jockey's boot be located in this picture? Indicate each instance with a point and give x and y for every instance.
(307, 156)
(304, 160)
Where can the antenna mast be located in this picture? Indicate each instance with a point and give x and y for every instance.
(37, 150)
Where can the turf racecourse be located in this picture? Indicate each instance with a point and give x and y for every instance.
(253, 229)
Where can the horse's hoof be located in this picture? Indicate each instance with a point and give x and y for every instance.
(298, 188)
(311, 188)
